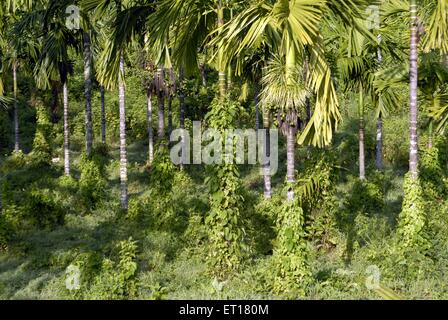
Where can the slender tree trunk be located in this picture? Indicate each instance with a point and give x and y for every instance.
(123, 150)
(413, 152)
(161, 102)
(54, 101)
(379, 143)
(103, 116)
(267, 166)
(170, 114)
(203, 70)
(88, 92)
(182, 109)
(221, 67)
(290, 159)
(379, 124)
(150, 129)
(66, 131)
(362, 157)
(257, 106)
(170, 100)
(16, 109)
(181, 99)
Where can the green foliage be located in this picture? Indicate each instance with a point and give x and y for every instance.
(16, 161)
(42, 208)
(291, 253)
(225, 219)
(366, 197)
(162, 171)
(41, 153)
(92, 185)
(115, 280)
(5, 232)
(411, 232)
(433, 181)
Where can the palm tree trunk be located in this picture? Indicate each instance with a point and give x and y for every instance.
(221, 67)
(290, 155)
(161, 103)
(379, 143)
(181, 99)
(149, 123)
(16, 109)
(203, 70)
(362, 157)
(103, 116)
(123, 150)
(170, 114)
(267, 167)
(379, 124)
(88, 92)
(257, 106)
(66, 131)
(413, 152)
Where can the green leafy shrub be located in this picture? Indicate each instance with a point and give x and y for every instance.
(225, 220)
(117, 279)
(434, 185)
(412, 219)
(365, 197)
(291, 253)
(41, 153)
(92, 184)
(42, 208)
(16, 161)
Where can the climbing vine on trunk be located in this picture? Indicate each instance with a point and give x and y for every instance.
(225, 220)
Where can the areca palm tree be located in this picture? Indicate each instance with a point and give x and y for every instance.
(360, 71)
(16, 50)
(125, 21)
(289, 30)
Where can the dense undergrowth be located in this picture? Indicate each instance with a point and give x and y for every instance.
(181, 223)
(319, 247)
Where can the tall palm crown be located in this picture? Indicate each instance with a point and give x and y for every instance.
(291, 29)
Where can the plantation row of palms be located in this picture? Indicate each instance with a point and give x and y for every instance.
(298, 59)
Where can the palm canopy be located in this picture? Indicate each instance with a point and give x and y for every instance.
(182, 25)
(292, 29)
(370, 66)
(125, 20)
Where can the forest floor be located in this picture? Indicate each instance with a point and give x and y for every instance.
(171, 264)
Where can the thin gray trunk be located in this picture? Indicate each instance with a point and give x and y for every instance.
(257, 107)
(413, 152)
(290, 153)
(161, 102)
(172, 92)
(16, 109)
(379, 124)
(181, 99)
(103, 116)
(66, 131)
(267, 167)
(203, 70)
(88, 92)
(379, 143)
(150, 129)
(123, 151)
(362, 157)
